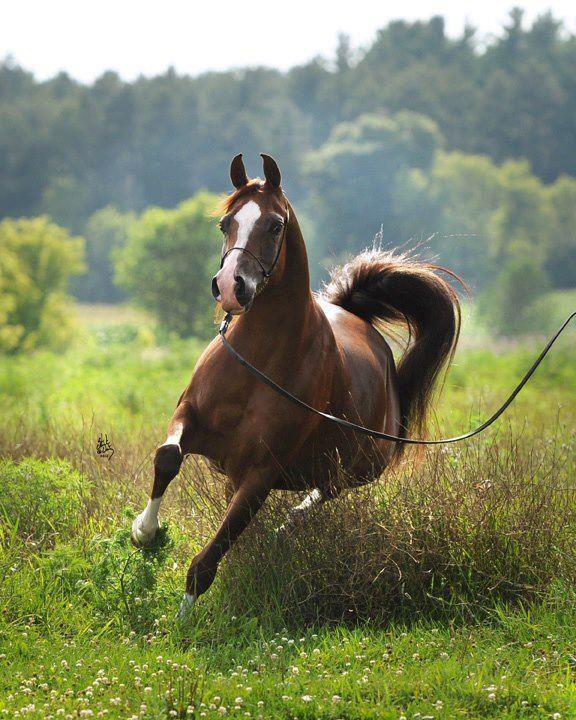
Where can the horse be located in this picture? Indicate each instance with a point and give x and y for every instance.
(328, 349)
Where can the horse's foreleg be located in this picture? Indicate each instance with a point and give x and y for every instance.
(167, 464)
(245, 503)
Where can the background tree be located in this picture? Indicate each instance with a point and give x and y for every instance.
(353, 177)
(561, 261)
(37, 259)
(510, 302)
(168, 262)
(105, 233)
(358, 135)
(159, 140)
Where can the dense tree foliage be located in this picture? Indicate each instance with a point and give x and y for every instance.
(168, 262)
(354, 176)
(498, 226)
(37, 258)
(69, 149)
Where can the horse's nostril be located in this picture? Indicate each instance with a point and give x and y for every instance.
(215, 288)
(240, 287)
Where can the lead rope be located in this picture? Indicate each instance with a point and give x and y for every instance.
(259, 375)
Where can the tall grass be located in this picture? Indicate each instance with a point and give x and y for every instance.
(463, 528)
(451, 535)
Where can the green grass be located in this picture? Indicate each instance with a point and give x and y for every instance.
(519, 666)
(444, 591)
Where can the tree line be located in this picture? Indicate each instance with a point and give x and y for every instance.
(68, 149)
(466, 150)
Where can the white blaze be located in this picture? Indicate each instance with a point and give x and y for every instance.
(246, 218)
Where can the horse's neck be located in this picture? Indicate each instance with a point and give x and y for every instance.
(284, 309)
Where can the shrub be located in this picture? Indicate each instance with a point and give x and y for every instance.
(510, 304)
(43, 498)
(168, 263)
(125, 580)
(37, 258)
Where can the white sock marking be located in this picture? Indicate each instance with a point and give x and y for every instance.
(307, 504)
(149, 516)
(303, 509)
(186, 605)
(176, 435)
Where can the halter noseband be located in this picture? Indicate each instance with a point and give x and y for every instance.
(265, 273)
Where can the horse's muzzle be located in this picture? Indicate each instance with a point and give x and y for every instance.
(233, 289)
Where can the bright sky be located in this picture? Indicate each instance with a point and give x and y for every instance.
(145, 37)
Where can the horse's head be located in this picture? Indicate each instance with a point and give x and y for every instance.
(254, 225)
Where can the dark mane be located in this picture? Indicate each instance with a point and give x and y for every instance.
(253, 186)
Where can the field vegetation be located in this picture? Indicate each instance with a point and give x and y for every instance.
(445, 590)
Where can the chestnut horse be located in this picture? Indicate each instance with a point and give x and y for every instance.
(325, 349)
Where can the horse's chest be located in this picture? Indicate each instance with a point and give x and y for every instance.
(244, 427)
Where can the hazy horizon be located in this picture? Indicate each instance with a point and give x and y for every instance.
(135, 39)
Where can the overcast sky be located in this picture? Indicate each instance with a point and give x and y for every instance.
(85, 38)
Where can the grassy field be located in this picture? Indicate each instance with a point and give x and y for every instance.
(443, 591)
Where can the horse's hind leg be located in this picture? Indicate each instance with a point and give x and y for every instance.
(300, 512)
(167, 464)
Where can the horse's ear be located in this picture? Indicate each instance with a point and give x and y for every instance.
(271, 171)
(238, 172)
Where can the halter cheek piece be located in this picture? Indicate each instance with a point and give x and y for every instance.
(266, 273)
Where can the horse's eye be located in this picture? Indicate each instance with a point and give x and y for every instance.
(276, 227)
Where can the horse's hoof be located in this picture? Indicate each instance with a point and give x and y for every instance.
(140, 537)
(185, 609)
(284, 531)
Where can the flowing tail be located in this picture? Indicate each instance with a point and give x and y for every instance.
(392, 290)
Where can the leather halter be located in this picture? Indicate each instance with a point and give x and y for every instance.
(266, 273)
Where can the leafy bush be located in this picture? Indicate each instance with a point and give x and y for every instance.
(125, 580)
(510, 304)
(37, 258)
(42, 498)
(168, 263)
